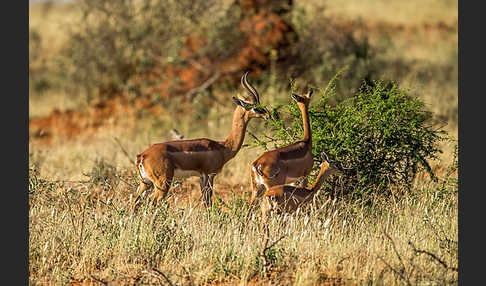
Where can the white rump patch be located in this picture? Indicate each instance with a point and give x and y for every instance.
(144, 176)
(258, 178)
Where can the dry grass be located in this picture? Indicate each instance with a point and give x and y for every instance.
(52, 21)
(51, 159)
(85, 231)
(396, 11)
(75, 236)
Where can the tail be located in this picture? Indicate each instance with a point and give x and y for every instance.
(138, 163)
(269, 176)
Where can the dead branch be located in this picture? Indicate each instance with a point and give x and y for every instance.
(433, 256)
(266, 247)
(403, 268)
(395, 250)
(163, 275)
(124, 150)
(191, 94)
(399, 273)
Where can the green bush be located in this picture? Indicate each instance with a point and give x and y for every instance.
(381, 136)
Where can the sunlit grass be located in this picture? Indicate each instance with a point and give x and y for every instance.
(396, 11)
(74, 236)
(84, 231)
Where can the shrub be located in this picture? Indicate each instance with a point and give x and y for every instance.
(103, 174)
(116, 41)
(327, 43)
(39, 74)
(139, 45)
(381, 136)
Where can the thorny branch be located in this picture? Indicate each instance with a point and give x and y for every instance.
(433, 256)
(266, 247)
(157, 276)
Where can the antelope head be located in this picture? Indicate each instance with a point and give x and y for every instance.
(304, 99)
(252, 106)
(334, 166)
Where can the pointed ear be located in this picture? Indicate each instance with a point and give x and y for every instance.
(241, 103)
(324, 156)
(241, 97)
(309, 94)
(297, 98)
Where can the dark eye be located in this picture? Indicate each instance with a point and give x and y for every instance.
(297, 98)
(259, 110)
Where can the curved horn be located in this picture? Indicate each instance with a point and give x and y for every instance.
(249, 88)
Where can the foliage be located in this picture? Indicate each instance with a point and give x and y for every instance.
(126, 45)
(75, 236)
(103, 174)
(40, 76)
(116, 41)
(36, 182)
(327, 43)
(381, 136)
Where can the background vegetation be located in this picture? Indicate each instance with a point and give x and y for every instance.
(380, 135)
(86, 55)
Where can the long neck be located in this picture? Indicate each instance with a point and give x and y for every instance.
(324, 172)
(237, 135)
(306, 123)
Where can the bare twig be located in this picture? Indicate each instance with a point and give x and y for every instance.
(274, 243)
(266, 247)
(163, 275)
(123, 150)
(399, 273)
(98, 279)
(71, 181)
(403, 269)
(191, 94)
(433, 256)
(124, 181)
(395, 250)
(263, 144)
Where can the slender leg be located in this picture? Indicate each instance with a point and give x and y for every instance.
(254, 187)
(142, 187)
(161, 189)
(210, 188)
(205, 182)
(266, 207)
(162, 180)
(202, 184)
(260, 184)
